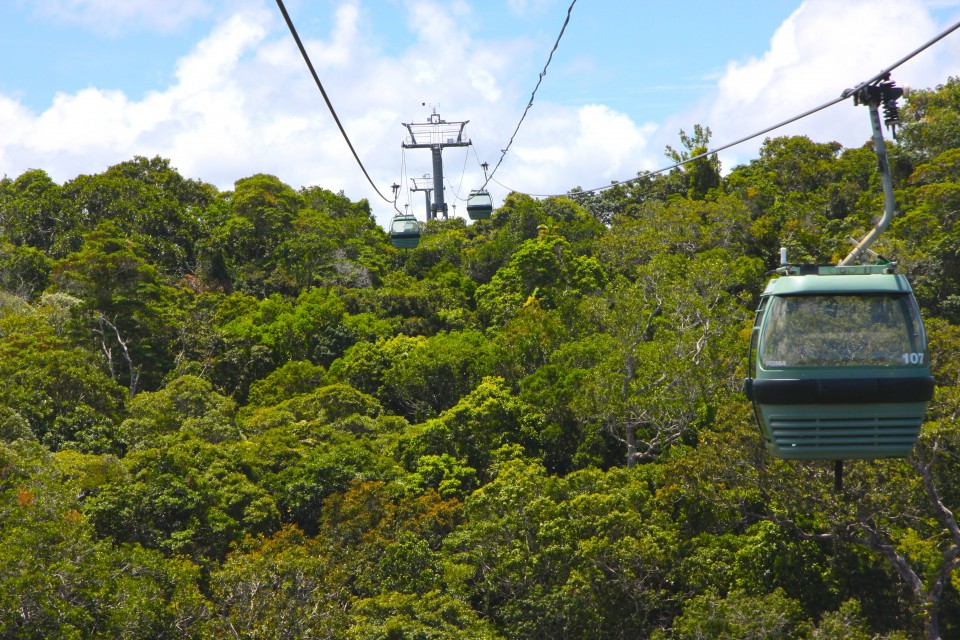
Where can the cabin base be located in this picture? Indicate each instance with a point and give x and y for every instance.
(841, 432)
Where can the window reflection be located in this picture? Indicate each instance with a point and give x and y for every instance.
(842, 330)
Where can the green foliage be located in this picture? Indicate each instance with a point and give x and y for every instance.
(311, 328)
(434, 374)
(441, 244)
(446, 474)
(36, 214)
(59, 390)
(325, 472)
(545, 556)
(187, 498)
(678, 226)
(527, 341)
(245, 414)
(423, 307)
(700, 175)
(185, 405)
(932, 119)
(741, 616)
(332, 403)
(58, 580)
(260, 216)
(154, 206)
(122, 306)
(334, 242)
(434, 616)
(364, 364)
(292, 379)
(388, 540)
(484, 421)
(24, 271)
(660, 380)
(846, 623)
(13, 426)
(545, 270)
(282, 586)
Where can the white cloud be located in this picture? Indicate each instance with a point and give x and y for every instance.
(823, 48)
(344, 39)
(198, 122)
(562, 148)
(112, 16)
(526, 7)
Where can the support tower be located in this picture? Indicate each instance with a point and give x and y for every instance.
(424, 184)
(435, 135)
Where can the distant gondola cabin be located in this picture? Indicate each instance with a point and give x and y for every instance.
(404, 232)
(479, 205)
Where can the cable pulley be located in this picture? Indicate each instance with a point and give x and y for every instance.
(882, 94)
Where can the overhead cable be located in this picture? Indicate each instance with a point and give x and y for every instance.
(316, 78)
(846, 94)
(463, 172)
(809, 112)
(403, 177)
(532, 94)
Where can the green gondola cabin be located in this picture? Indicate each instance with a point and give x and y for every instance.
(404, 232)
(479, 205)
(839, 366)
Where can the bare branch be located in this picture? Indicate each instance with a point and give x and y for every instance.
(134, 370)
(945, 515)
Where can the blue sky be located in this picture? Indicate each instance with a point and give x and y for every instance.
(218, 86)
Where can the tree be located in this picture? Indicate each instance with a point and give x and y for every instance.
(218, 342)
(928, 235)
(24, 271)
(739, 615)
(293, 378)
(527, 341)
(434, 375)
(186, 405)
(334, 241)
(554, 389)
(932, 120)
(280, 587)
(122, 296)
(154, 206)
(480, 424)
(672, 331)
(423, 307)
(184, 498)
(364, 364)
(702, 174)
(796, 188)
(312, 328)
(35, 214)
(545, 269)
(580, 556)
(387, 539)
(679, 226)
(58, 580)
(433, 616)
(887, 539)
(260, 215)
(60, 390)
